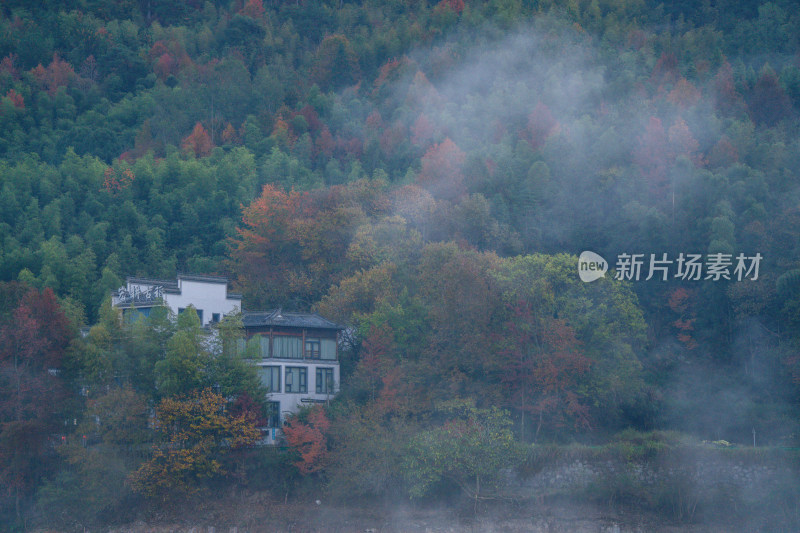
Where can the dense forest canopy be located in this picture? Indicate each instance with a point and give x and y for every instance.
(424, 173)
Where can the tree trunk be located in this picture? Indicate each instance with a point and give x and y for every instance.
(477, 491)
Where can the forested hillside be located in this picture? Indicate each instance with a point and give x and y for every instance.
(425, 174)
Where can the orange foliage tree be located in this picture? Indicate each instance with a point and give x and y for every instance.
(198, 142)
(293, 245)
(543, 366)
(198, 435)
(309, 438)
(442, 170)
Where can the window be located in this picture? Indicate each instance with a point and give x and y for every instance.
(273, 414)
(328, 349)
(312, 348)
(324, 381)
(200, 315)
(263, 346)
(215, 317)
(285, 347)
(270, 377)
(296, 379)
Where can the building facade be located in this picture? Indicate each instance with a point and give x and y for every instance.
(296, 354)
(297, 357)
(207, 294)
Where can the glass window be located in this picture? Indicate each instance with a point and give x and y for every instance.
(312, 348)
(263, 346)
(328, 349)
(284, 347)
(273, 414)
(324, 381)
(296, 379)
(270, 377)
(215, 317)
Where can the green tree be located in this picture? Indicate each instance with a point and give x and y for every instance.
(470, 449)
(184, 366)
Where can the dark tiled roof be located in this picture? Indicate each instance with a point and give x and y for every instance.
(204, 278)
(165, 283)
(278, 318)
(172, 286)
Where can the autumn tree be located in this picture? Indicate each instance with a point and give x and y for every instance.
(541, 124)
(462, 301)
(600, 322)
(680, 302)
(34, 336)
(198, 142)
(197, 439)
(544, 370)
(293, 245)
(307, 434)
(442, 172)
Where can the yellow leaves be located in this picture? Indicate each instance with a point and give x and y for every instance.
(199, 434)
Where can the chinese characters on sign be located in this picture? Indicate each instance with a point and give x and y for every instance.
(687, 267)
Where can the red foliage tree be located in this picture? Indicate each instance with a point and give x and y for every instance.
(666, 69)
(652, 156)
(309, 439)
(8, 66)
(165, 65)
(388, 71)
(325, 143)
(680, 302)
(727, 98)
(683, 143)
(312, 118)
(253, 9)
(392, 137)
(422, 131)
(114, 182)
(684, 94)
(198, 142)
(376, 359)
(543, 367)
(58, 74)
(456, 6)
(16, 99)
(442, 170)
(541, 124)
(34, 335)
(229, 135)
(723, 154)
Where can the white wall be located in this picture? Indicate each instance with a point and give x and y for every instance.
(207, 297)
(291, 402)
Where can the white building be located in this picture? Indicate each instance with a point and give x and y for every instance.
(297, 354)
(298, 360)
(208, 294)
